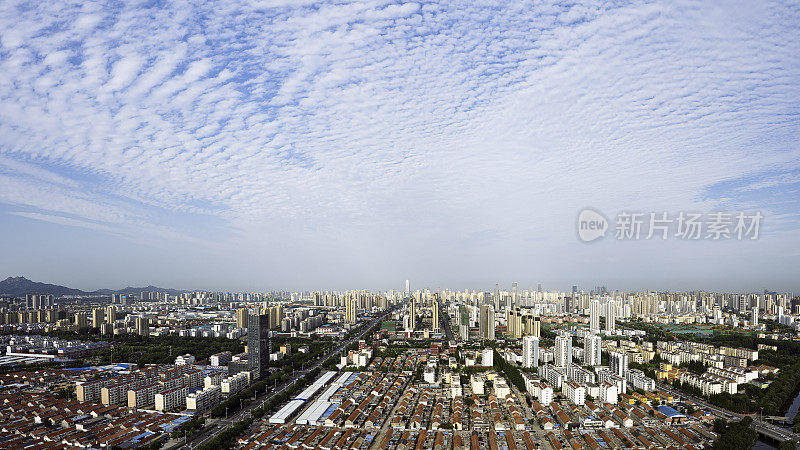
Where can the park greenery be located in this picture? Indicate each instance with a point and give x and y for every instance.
(734, 435)
(510, 371)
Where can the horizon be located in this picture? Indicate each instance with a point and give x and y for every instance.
(308, 144)
(422, 289)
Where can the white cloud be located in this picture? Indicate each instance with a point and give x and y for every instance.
(392, 127)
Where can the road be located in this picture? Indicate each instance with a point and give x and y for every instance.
(764, 428)
(445, 320)
(220, 425)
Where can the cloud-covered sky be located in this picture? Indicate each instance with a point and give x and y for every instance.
(304, 144)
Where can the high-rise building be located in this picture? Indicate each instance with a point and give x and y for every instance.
(80, 320)
(514, 294)
(408, 288)
(258, 344)
(619, 363)
(514, 326)
(537, 327)
(563, 350)
(463, 322)
(530, 351)
(241, 317)
(592, 345)
(435, 318)
(412, 314)
(111, 314)
(594, 315)
(98, 316)
(754, 316)
(486, 322)
(351, 306)
(611, 319)
(143, 326)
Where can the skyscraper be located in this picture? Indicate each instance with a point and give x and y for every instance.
(408, 288)
(412, 314)
(111, 314)
(754, 316)
(435, 318)
(463, 322)
(351, 306)
(486, 322)
(592, 345)
(143, 326)
(80, 320)
(98, 315)
(241, 317)
(563, 350)
(611, 318)
(594, 315)
(514, 294)
(258, 344)
(619, 363)
(530, 351)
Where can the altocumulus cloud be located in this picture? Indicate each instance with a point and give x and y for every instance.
(397, 136)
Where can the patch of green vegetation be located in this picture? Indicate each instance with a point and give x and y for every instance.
(734, 435)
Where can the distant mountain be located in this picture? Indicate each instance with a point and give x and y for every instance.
(21, 286)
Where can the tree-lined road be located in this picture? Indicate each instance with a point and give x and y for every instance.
(220, 425)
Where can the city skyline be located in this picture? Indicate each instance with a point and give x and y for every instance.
(315, 145)
(511, 288)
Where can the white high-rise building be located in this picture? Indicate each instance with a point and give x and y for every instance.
(592, 345)
(530, 351)
(594, 315)
(408, 287)
(619, 363)
(754, 316)
(611, 318)
(563, 350)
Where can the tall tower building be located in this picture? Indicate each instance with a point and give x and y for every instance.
(592, 345)
(98, 317)
(258, 344)
(754, 316)
(412, 314)
(408, 288)
(142, 326)
(435, 321)
(81, 320)
(563, 350)
(351, 305)
(530, 351)
(594, 315)
(486, 322)
(611, 319)
(514, 298)
(619, 363)
(241, 317)
(537, 327)
(463, 322)
(111, 314)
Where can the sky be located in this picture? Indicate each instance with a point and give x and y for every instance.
(289, 144)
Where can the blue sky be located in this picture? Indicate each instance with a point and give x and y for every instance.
(303, 144)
